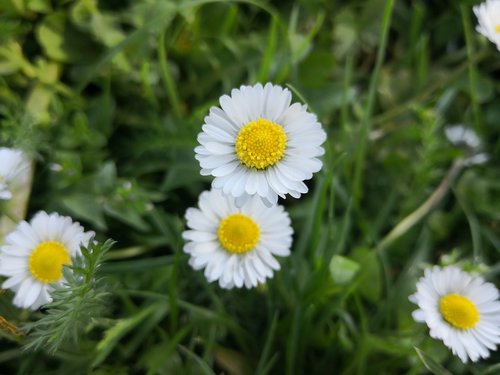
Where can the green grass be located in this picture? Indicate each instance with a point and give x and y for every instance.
(109, 97)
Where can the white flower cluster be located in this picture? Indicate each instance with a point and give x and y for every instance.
(460, 309)
(258, 146)
(34, 253)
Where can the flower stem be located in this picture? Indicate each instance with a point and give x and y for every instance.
(435, 198)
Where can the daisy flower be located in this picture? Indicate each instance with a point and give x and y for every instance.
(12, 163)
(488, 16)
(35, 253)
(461, 310)
(236, 245)
(258, 143)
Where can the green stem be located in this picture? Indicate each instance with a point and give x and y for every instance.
(366, 121)
(426, 207)
(168, 80)
(473, 84)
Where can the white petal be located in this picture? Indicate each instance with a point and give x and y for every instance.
(198, 236)
(14, 281)
(218, 133)
(226, 169)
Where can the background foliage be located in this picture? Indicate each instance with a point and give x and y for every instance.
(109, 97)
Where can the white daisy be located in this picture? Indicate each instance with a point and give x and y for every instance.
(488, 16)
(259, 144)
(236, 245)
(460, 309)
(35, 253)
(12, 163)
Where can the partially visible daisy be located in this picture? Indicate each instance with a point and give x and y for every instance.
(488, 16)
(236, 245)
(259, 144)
(35, 253)
(460, 309)
(12, 163)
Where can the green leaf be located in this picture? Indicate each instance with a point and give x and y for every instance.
(183, 173)
(101, 112)
(105, 178)
(266, 361)
(343, 269)
(85, 14)
(39, 6)
(158, 357)
(38, 102)
(12, 58)
(86, 207)
(431, 364)
(202, 365)
(164, 13)
(122, 327)
(61, 42)
(492, 370)
(317, 68)
(123, 212)
(138, 265)
(370, 277)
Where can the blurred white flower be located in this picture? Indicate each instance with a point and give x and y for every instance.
(258, 143)
(236, 245)
(464, 137)
(460, 135)
(12, 164)
(34, 254)
(488, 16)
(476, 159)
(461, 310)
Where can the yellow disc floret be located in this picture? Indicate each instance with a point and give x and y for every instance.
(497, 28)
(238, 233)
(260, 144)
(47, 260)
(459, 311)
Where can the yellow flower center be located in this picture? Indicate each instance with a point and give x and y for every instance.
(238, 233)
(459, 311)
(46, 261)
(260, 144)
(497, 28)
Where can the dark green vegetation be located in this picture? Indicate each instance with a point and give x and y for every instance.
(109, 97)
